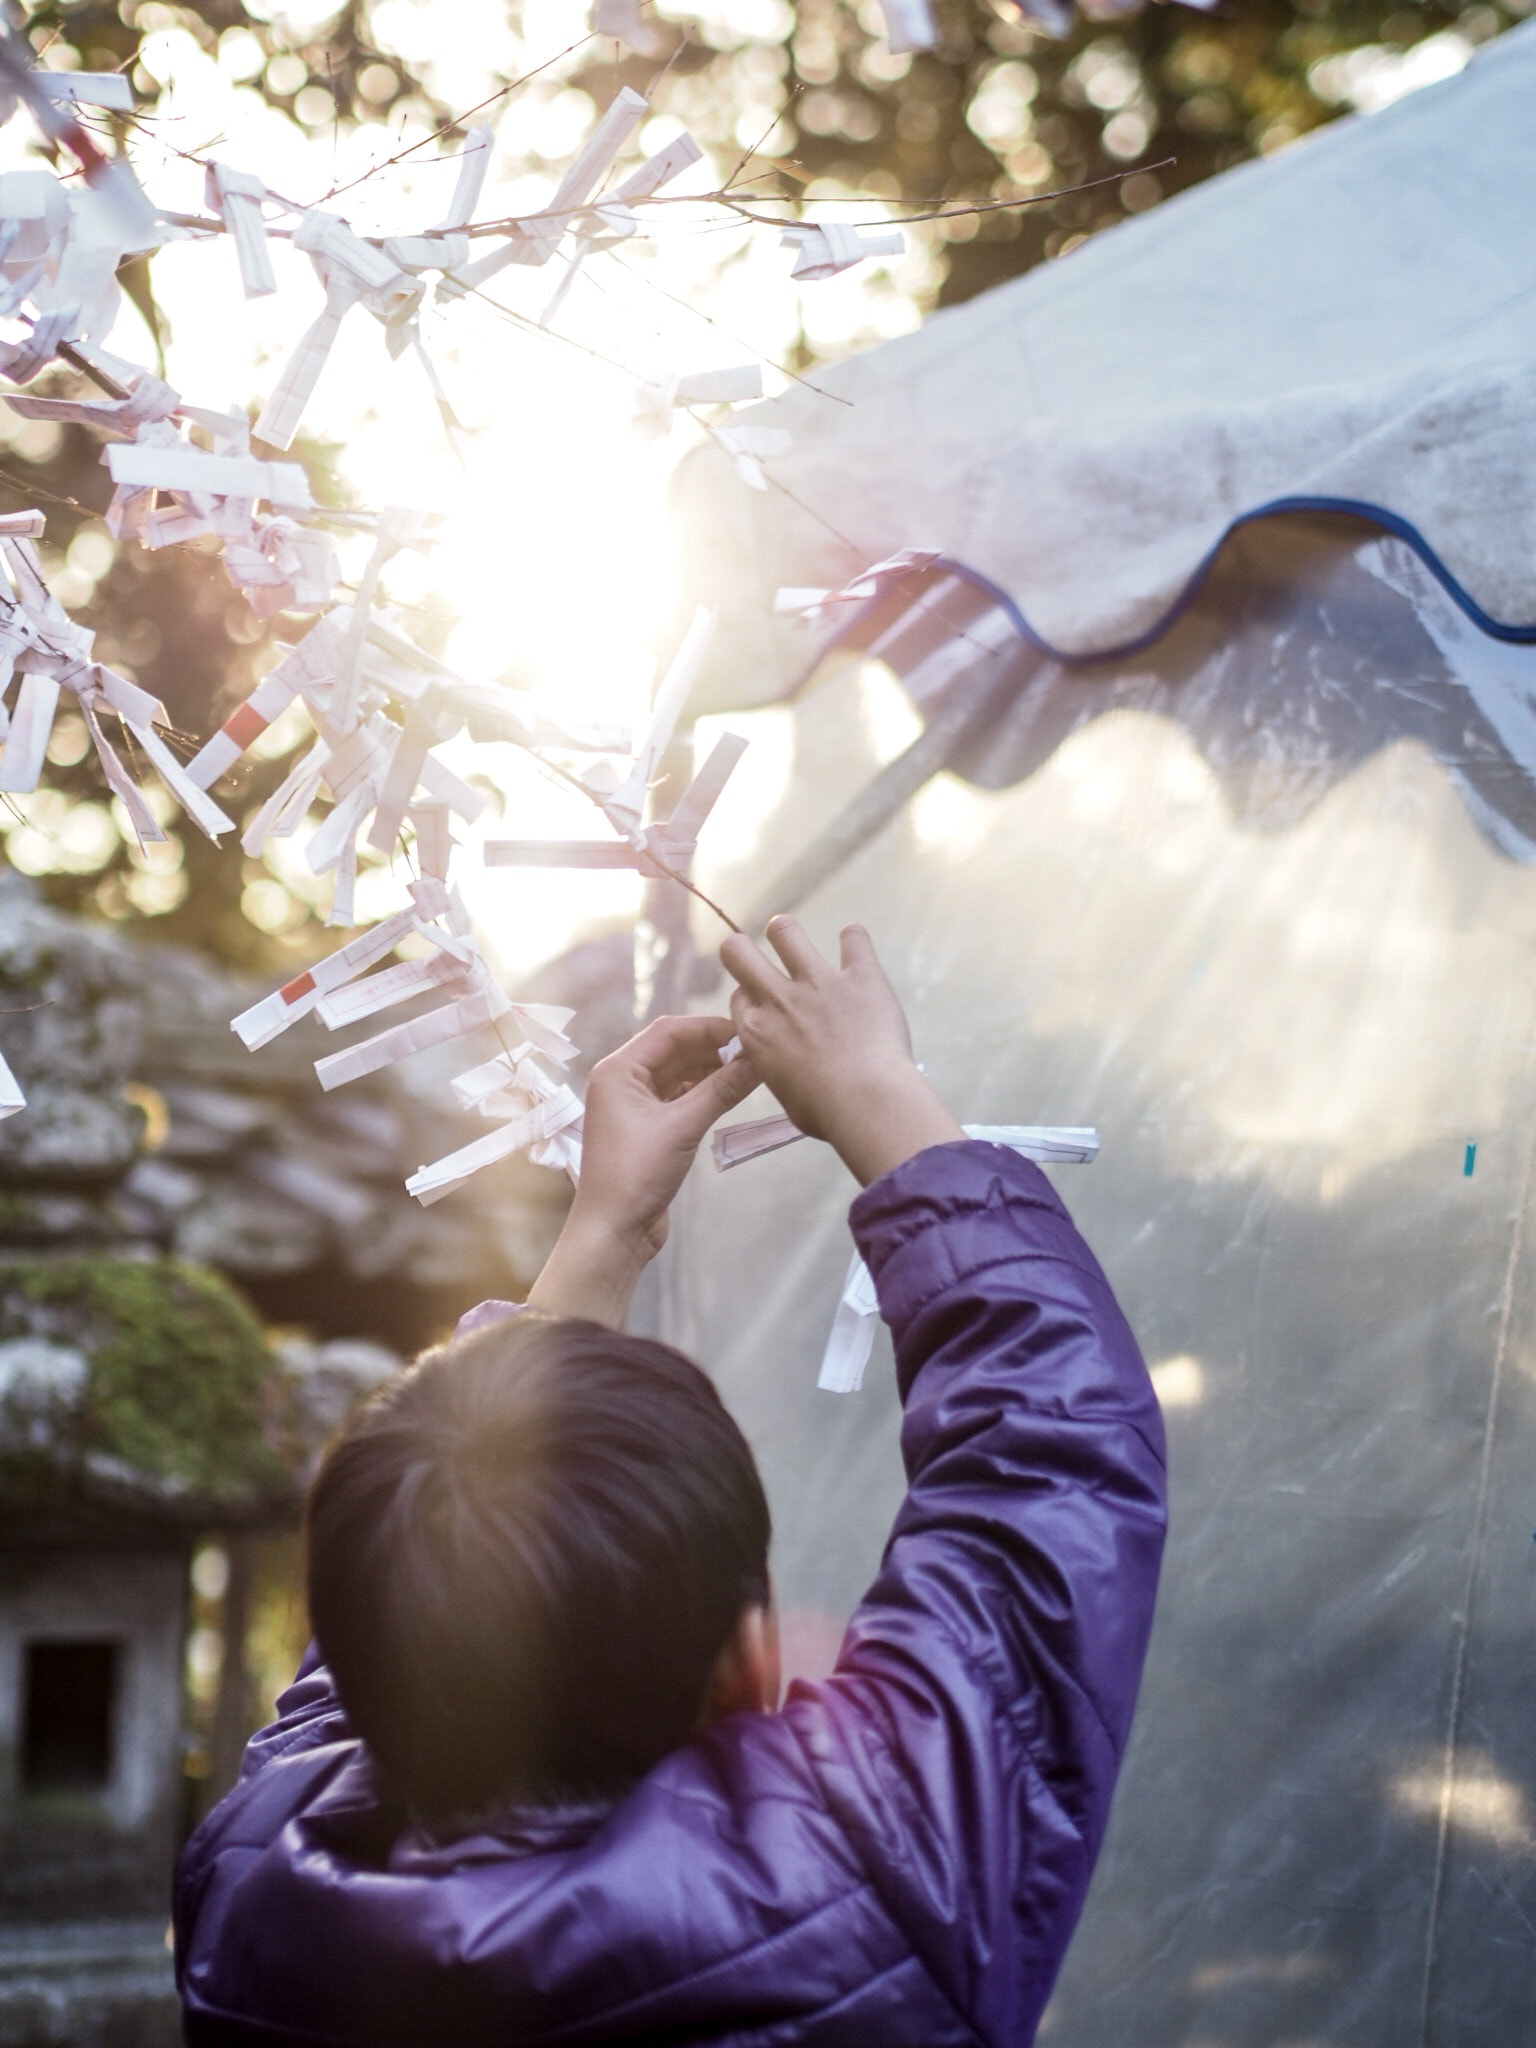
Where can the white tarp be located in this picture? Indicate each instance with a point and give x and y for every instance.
(1229, 902)
(1353, 319)
(1210, 905)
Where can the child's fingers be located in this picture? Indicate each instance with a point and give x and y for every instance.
(693, 1037)
(685, 1069)
(795, 947)
(750, 966)
(711, 1097)
(651, 1045)
(856, 949)
(674, 1052)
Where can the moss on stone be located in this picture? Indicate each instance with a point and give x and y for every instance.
(183, 1386)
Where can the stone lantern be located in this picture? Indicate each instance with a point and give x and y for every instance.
(140, 1408)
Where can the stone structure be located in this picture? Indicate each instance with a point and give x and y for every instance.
(149, 1127)
(140, 1404)
(143, 1406)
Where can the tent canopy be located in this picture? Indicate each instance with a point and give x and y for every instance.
(1258, 901)
(1352, 322)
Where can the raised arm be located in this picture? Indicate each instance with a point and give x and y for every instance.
(648, 1108)
(970, 1737)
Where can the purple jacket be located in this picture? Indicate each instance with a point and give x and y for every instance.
(899, 1855)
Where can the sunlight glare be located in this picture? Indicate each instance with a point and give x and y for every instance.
(553, 573)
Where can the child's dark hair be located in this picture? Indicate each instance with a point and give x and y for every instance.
(524, 1557)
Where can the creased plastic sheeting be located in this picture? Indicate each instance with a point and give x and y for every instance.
(1296, 661)
(1234, 910)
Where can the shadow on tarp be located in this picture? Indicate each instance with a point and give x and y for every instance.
(1261, 925)
(1314, 641)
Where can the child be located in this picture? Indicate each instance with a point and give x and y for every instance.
(533, 1783)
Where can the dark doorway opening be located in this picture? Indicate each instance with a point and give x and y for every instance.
(71, 1689)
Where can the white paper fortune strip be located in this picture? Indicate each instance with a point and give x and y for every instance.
(434, 839)
(310, 670)
(719, 387)
(371, 993)
(1048, 1144)
(185, 468)
(625, 805)
(545, 1121)
(280, 416)
(24, 360)
(751, 447)
(261, 1023)
(625, 111)
(544, 1025)
(678, 838)
(110, 180)
(150, 399)
(545, 1116)
(669, 162)
(734, 1144)
(909, 25)
(868, 584)
(437, 1027)
(432, 251)
(351, 270)
(26, 743)
(665, 849)
(89, 88)
(237, 197)
(201, 809)
(852, 1336)
(11, 1097)
(829, 247)
(474, 162)
(327, 238)
(623, 20)
(655, 403)
(541, 236)
(270, 698)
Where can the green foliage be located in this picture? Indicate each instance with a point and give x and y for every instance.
(335, 57)
(182, 1385)
(1004, 111)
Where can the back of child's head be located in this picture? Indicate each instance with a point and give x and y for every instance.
(525, 1556)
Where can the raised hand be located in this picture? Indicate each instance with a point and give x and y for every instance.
(648, 1107)
(832, 1043)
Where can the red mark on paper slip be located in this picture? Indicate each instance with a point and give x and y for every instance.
(246, 726)
(295, 991)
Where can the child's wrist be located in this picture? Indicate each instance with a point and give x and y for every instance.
(604, 1231)
(887, 1118)
(594, 1267)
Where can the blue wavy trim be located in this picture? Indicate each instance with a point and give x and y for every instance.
(1357, 508)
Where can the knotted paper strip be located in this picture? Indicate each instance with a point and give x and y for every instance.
(852, 1336)
(830, 247)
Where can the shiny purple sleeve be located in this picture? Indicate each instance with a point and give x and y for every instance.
(971, 1734)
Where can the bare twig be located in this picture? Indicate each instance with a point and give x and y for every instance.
(459, 119)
